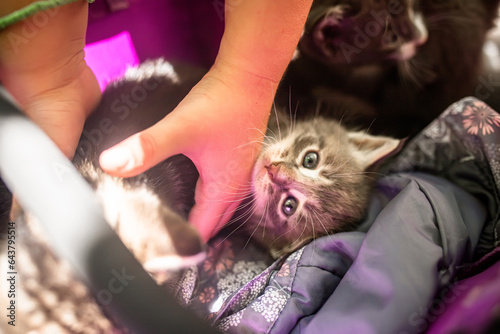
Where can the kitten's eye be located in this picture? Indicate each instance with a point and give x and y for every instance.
(289, 206)
(310, 160)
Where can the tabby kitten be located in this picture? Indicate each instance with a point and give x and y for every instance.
(392, 65)
(312, 178)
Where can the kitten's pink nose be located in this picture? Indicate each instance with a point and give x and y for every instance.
(273, 170)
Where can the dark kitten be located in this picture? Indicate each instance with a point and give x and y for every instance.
(148, 212)
(394, 63)
(163, 194)
(312, 178)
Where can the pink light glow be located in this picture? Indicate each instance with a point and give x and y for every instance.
(110, 58)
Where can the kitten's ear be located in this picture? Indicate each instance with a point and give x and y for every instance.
(371, 150)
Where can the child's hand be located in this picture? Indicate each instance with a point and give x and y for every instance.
(221, 123)
(43, 66)
(220, 126)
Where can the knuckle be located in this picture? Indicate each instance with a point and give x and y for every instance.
(149, 147)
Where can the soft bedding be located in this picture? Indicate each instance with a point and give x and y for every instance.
(434, 213)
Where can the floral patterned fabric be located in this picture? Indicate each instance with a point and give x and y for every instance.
(463, 146)
(386, 276)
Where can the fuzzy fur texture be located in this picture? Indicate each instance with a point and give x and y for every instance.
(312, 178)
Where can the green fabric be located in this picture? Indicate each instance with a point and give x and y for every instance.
(31, 9)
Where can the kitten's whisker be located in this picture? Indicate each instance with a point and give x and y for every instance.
(266, 209)
(298, 241)
(315, 119)
(303, 230)
(241, 187)
(338, 142)
(320, 223)
(314, 240)
(376, 174)
(356, 174)
(258, 130)
(318, 108)
(234, 200)
(245, 204)
(308, 222)
(256, 227)
(250, 143)
(250, 213)
(342, 117)
(232, 220)
(367, 130)
(274, 141)
(242, 193)
(286, 232)
(241, 190)
(266, 143)
(327, 232)
(294, 123)
(311, 221)
(277, 120)
(273, 135)
(290, 109)
(236, 185)
(230, 212)
(231, 202)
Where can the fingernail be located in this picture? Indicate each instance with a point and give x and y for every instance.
(117, 158)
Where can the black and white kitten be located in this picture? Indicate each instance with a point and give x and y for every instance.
(392, 65)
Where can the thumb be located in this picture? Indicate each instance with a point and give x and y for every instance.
(147, 148)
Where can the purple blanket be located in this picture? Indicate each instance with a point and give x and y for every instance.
(433, 215)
